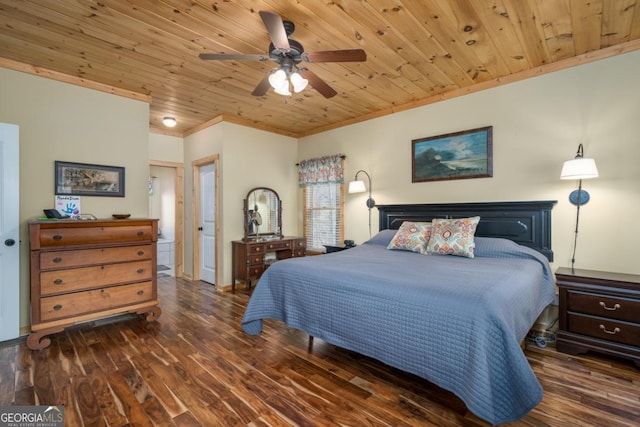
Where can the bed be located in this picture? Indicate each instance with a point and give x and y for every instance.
(455, 321)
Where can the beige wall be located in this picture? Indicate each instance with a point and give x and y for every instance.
(166, 148)
(247, 158)
(59, 121)
(537, 125)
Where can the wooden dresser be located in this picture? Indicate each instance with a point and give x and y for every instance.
(85, 270)
(250, 257)
(599, 311)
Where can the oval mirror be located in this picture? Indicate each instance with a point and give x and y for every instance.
(262, 215)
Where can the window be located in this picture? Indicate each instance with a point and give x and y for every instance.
(322, 185)
(323, 218)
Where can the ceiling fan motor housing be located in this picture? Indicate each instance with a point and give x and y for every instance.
(294, 52)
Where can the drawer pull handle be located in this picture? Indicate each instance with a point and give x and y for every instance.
(57, 260)
(615, 307)
(57, 237)
(140, 233)
(257, 249)
(140, 253)
(615, 331)
(140, 292)
(57, 307)
(57, 282)
(141, 270)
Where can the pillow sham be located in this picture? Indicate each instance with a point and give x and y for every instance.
(453, 236)
(412, 236)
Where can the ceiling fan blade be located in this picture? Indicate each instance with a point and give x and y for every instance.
(262, 87)
(345, 55)
(233, 57)
(318, 84)
(276, 30)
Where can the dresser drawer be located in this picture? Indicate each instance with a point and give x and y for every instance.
(255, 271)
(606, 329)
(69, 305)
(279, 245)
(255, 259)
(55, 237)
(299, 252)
(74, 279)
(255, 249)
(64, 259)
(605, 306)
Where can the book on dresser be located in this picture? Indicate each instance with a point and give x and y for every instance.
(81, 271)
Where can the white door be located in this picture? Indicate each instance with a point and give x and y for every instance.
(9, 234)
(208, 226)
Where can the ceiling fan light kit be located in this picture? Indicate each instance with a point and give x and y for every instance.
(287, 53)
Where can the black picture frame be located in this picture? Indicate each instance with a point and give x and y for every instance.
(458, 155)
(84, 179)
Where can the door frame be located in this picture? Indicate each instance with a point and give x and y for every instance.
(179, 212)
(196, 165)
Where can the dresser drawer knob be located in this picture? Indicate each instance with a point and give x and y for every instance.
(140, 253)
(57, 260)
(140, 233)
(140, 270)
(57, 237)
(140, 292)
(57, 307)
(57, 282)
(615, 307)
(615, 331)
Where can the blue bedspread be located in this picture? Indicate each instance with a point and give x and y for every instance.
(455, 321)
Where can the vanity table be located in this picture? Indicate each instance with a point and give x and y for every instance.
(263, 242)
(251, 258)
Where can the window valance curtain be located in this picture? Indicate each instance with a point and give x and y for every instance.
(321, 170)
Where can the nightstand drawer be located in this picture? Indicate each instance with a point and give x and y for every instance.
(605, 306)
(606, 329)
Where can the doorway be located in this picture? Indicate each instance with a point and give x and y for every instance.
(166, 203)
(206, 230)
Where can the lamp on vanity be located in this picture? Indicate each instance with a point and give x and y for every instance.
(357, 186)
(578, 168)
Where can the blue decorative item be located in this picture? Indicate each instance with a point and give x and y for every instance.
(579, 197)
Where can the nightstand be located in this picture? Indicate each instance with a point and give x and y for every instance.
(599, 311)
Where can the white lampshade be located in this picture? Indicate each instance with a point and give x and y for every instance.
(278, 78)
(169, 122)
(283, 89)
(579, 168)
(357, 187)
(298, 82)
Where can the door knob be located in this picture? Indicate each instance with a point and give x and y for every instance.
(199, 228)
(9, 242)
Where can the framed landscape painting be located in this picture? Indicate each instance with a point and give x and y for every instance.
(81, 179)
(459, 155)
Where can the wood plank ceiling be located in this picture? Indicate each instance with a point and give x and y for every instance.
(418, 51)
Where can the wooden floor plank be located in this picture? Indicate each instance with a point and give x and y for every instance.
(196, 367)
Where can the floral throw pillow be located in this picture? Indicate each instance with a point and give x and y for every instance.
(412, 236)
(453, 236)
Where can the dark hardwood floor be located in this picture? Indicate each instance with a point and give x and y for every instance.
(195, 366)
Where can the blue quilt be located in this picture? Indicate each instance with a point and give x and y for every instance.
(454, 321)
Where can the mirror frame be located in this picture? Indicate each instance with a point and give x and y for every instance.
(249, 237)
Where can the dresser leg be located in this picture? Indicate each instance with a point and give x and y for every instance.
(37, 340)
(152, 313)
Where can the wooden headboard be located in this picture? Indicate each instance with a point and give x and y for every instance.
(526, 223)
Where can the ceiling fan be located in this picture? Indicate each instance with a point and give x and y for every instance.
(288, 54)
